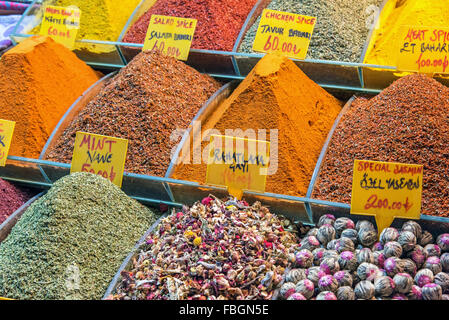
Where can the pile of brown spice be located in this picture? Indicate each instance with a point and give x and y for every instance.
(150, 98)
(409, 123)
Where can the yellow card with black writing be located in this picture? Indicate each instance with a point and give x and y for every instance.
(170, 35)
(386, 190)
(284, 32)
(6, 132)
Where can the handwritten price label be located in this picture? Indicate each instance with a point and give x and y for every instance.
(386, 190)
(283, 32)
(6, 132)
(170, 35)
(61, 24)
(238, 163)
(100, 155)
(423, 50)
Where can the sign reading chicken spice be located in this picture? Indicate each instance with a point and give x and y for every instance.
(423, 49)
(170, 35)
(284, 32)
(61, 24)
(386, 190)
(6, 132)
(238, 163)
(100, 155)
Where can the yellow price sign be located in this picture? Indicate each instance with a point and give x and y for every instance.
(61, 24)
(387, 191)
(284, 32)
(423, 49)
(6, 132)
(100, 155)
(238, 163)
(170, 35)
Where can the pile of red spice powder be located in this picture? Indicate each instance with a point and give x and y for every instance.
(145, 103)
(11, 199)
(408, 123)
(218, 26)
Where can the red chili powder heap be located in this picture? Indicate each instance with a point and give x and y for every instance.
(219, 21)
(11, 198)
(408, 123)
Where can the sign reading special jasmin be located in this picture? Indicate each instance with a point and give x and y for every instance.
(170, 35)
(386, 190)
(237, 163)
(284, 32)
(100, 155)
(6, 132)
(61, 24)
(423, 49)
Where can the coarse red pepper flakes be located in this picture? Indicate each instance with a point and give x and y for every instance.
(150, 98)
(219, 21)
(408, 123)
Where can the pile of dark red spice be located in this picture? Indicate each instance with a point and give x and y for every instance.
(11, 199)
(408, 123)
(218, 26)
(149, 99)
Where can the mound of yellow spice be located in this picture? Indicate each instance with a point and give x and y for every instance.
(276, 95)
(39, 80)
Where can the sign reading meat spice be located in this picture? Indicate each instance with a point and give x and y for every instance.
(6, 132)
(54, 78)
(341, 29)
(386, 190)
(237, 163)
(100, 155)
(61, 24)
(284, 32)
(423, 49)
(170, 35)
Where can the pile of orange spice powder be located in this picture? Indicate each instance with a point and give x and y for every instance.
(275, 95)
(39, 80)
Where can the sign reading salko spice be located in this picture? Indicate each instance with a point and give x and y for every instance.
(386, 190)
(100, 155)
(61, 24)
(6, 132)
(284, 32)
(170, 35)
(423, 49)
(238, 163)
